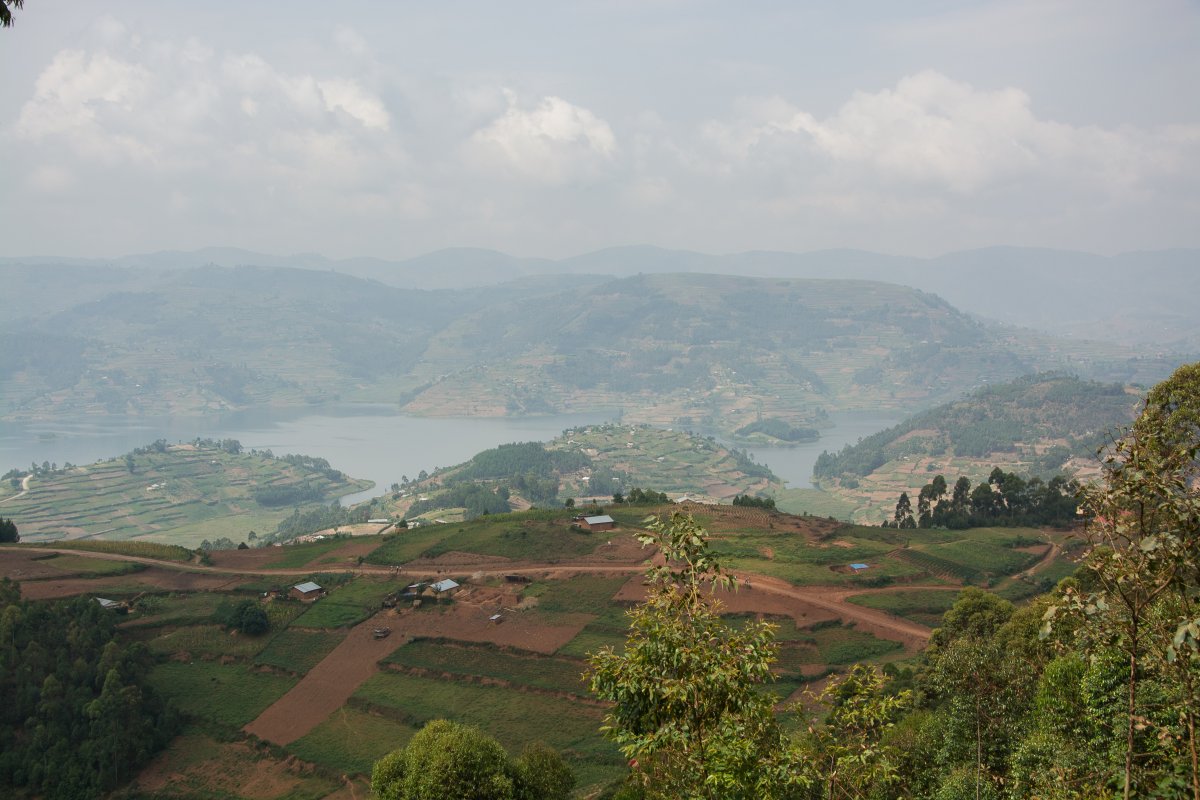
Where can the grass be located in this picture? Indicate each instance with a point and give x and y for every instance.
(85, 567)
(299, 555)
(534, 535)
(163, 552)
(815, 502)
(351, 741)
(919, 605)
(524, 669)
(348, 604)
(230, 695)
(514, 718)
(298, 651)
(207, 640)
(177, 609)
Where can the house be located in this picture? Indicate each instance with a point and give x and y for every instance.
(602, 522)
(859, 567)
(443, 586)
(106, 604)
(306, 591)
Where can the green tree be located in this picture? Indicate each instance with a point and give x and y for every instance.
(688, 711)
(904, 515)
(542, 774)
(445, 759)
(1140, 600)
(846, 754)
(8, 531)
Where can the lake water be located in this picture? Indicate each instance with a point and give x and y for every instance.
(363, 441)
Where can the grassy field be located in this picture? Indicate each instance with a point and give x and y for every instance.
(298, 651)
(464, 660)
(348, 604)
(207, 641)
(85, 567)
(540, 535)
(181, 495)
(351, 741)
(920, 605)
(229, 695)
(162, 552)
(514, 718)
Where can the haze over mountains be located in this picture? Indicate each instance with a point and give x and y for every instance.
(1139, 297)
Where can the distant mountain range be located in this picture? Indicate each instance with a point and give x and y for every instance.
(1143, 297)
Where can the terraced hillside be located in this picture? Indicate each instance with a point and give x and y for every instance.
(594, 462)
(1037, 425)
(179, 494)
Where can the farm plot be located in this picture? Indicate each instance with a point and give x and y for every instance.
(925, 606)
(525, 536)
(298, 651)
(348, 604)
(230, 695)
(515, 718)
(466, 661)
(351, 741)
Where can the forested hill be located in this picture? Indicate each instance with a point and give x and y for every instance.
(707, 352)
(1040, 420)
(714, 352)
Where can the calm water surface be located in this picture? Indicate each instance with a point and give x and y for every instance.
(367, 442)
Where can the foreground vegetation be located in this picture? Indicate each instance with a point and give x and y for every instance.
(1092, 691)
(79, 716)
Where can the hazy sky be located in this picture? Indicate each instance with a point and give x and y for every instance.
(390, 129)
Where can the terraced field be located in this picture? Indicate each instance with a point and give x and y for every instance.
(180, 496)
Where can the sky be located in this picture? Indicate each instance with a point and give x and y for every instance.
(361, 128)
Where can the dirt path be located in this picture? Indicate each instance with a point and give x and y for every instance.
(833, 599)
(829, 598)
(24, 489)
(328, 685)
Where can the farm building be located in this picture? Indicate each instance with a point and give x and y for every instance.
(603, 522)
(306, 591)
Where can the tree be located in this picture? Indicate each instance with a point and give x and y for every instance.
(8, 531)
(688, 712)
(445, 759)
(6, 19)
(1143, 522)
(904, 515)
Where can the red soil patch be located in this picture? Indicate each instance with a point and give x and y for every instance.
(244, 772)
(152, 579)
(469, 623)
(23, 566)
(328, 685)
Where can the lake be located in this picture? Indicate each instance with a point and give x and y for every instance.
(363, 441)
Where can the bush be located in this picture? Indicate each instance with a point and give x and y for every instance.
(246, 617)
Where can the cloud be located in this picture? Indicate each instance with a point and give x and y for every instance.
(553, 143)
(183, 108)
(932, 133)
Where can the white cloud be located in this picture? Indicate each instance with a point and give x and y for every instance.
(933, 133)
(553, 143)
(360, 104)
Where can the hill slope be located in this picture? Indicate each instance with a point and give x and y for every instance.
(1041, 424)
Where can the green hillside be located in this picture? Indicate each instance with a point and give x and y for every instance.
(1038, 425)
(708, 352)
(178, 494)
(597, 461)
